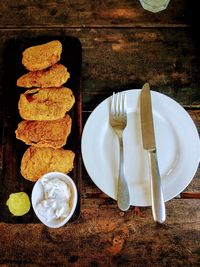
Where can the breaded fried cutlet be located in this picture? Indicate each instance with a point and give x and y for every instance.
(46, 103)
(42, 56)
(37, 161)
(55, 76)
(45, 133)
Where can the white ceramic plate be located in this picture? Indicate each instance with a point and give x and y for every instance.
(178, 148)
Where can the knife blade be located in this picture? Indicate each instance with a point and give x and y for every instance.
(149, 144)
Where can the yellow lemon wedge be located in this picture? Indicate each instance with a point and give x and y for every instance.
(18, 203)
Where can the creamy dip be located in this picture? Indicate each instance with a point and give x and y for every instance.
(56, 202)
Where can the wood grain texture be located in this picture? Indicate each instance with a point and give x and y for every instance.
(104, 236)
(123, 47)
(127, 58)
(112, 13)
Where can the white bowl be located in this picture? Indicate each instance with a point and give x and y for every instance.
(38, 195)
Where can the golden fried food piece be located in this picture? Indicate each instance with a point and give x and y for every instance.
(42, 56)
(37, 161)
(46, 103)
(45, 133)
(55, 76)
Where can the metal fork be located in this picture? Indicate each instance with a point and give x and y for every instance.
(118, 120)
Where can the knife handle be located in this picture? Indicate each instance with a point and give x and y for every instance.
(158, 203)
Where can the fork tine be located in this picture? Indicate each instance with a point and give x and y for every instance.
(118, 104)
(113, 103)
(122, 103)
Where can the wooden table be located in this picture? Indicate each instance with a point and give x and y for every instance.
(123, 47)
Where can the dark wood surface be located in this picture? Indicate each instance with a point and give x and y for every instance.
(123, 46)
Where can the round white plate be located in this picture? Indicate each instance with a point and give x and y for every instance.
(177, 140)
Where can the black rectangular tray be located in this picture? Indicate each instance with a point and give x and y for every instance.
(11, 149)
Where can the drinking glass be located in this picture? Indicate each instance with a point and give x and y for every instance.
(154, 5)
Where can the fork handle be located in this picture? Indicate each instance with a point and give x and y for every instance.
(123, 198)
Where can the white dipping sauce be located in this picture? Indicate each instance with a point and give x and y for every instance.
(56, 202)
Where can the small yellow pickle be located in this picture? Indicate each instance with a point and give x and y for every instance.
(18, 203)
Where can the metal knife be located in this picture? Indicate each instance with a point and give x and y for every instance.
(149, 144)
